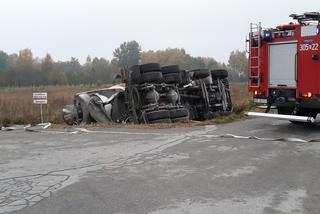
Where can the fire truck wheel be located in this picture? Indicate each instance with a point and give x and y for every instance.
(180, 119)
(168, 120)
(219, 73)
(200, 73)
(157, 115)
(172, 78)
(177, 113)
(152, 77)
(170, 69)
(308, 113)
(150, 67)
(136, 77)
(283, 110)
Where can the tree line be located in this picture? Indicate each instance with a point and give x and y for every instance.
(23, 69)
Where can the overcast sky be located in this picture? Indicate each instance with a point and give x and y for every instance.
(78, 28)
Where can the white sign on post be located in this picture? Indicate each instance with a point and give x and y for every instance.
(40, 98)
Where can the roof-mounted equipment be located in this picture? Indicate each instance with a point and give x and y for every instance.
(308, 16)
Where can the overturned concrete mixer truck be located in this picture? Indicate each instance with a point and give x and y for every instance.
(153, 94)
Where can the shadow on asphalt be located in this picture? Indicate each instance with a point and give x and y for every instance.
(305, 129)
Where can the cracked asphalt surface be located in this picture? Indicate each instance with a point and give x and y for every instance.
(182, 170)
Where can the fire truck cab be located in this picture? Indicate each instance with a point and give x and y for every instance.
(284, 68)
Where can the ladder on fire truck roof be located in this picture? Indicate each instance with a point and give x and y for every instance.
(255, 69)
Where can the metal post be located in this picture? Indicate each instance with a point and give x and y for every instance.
(41, 113)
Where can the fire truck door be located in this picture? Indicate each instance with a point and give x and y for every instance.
(282, 64)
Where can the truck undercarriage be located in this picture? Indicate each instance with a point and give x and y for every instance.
(153, 94)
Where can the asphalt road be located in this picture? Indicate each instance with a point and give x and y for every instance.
(183, 170)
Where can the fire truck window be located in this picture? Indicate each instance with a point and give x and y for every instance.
(310, 30)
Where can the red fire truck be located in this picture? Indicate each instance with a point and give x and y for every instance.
(284, 68)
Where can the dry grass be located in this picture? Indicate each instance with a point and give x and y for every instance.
(240, 97)
(16, 105)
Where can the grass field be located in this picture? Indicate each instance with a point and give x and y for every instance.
(16, 105)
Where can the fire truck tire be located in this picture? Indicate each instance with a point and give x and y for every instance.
(306, 112)
(150, 67)
(178, 113)
(168, 120)
(136, 77)
(172, 78)
(180, 119)
(170, 69)
(286, 111)
(157, 115)
(298, 123)
(200, 73)
(152, 77)
(219, 73)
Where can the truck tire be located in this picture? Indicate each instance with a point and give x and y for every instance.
(69, 114)
(307, 113)
(157, 115)
(172, 78)
(229, 103)
(150, 67)
(225, 81)
(177, 113)
(136, 77)
(168, 120)
(185, 79)
(170, 69)
(200, 73)
(180, 119)
(286, 111)
(135, 68)
(152, 77)
(219, 73)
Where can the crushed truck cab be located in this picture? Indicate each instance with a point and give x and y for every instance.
(284, 67)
